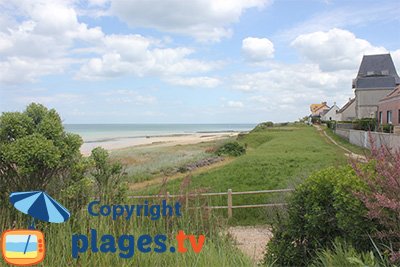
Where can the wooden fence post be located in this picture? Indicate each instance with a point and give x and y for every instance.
(187, 200)
(229, 203)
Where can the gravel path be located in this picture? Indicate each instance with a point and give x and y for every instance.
(251, 240)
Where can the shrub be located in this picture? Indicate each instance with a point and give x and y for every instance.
(35, 150)
(387, 128)
(366, 124)
(383, 199)
(331, 124)
(108, 176)
(321, 209)
(231, 149)
(263, 126)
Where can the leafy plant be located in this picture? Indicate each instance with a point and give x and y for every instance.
(365, 124)
(387, 128)
(321, 209)
(231, 149)
(263, 126)
(107, 175)
(35, 150)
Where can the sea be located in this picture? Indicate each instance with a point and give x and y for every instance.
(109, 132)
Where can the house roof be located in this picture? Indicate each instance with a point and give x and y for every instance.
(393, 94)
(351, 101)
(377, 71)
(332, 108)
(316, 107)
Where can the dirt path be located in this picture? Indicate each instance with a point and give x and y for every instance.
(349, 153)
(251, 240)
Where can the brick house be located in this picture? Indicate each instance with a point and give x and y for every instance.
(389, 108)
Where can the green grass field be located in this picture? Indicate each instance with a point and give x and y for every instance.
(279, 157)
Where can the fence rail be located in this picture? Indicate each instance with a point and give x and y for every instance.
(230, 195)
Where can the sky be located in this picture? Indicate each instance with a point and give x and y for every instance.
(181, 61)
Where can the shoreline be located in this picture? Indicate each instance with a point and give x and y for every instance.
(118, 143)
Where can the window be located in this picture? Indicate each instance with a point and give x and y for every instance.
(389, 117)
(380, 117)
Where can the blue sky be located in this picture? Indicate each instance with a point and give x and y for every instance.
(177, 61)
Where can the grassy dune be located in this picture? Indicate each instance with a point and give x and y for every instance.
(278, 157)
(147, 162)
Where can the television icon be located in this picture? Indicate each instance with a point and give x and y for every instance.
(23, 247)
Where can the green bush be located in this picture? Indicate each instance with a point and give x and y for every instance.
(366, 124)
(231, 149)
(263, 126)
(387, 128)
(331, 124)
(321, 209)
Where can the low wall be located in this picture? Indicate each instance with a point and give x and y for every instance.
(362, 138)
(343, 133)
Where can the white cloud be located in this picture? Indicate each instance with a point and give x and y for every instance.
(39, 44)
(396, 59)
(51, 100)
(206, 20)
(335, 49)
(202, 81)
(293, 87)
(139, 56)
(25, 69)
(235, 104)
(343, 17)
(257, 49)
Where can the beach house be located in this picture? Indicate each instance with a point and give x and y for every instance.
(318, 109)
(376, 78)
(348, 111)
(331, 114)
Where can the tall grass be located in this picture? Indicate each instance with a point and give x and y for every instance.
(218, 249)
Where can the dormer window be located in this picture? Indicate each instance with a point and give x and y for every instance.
(385, 72)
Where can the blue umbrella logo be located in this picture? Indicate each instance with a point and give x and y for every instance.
(40, 206)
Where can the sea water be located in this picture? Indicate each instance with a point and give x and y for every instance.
(109, 132)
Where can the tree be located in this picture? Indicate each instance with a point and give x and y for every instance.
(35, 150)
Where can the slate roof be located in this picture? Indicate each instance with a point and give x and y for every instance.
(377, 71)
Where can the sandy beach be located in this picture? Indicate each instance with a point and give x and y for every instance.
(167, 140)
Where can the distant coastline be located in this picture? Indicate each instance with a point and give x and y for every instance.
(118, 136)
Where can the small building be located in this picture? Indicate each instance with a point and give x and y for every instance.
(348, 111)
(318, 109)
(376, 78)
(389, 108)
(331, 114)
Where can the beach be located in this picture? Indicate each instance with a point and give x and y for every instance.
(119, 136)
(154, 141)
